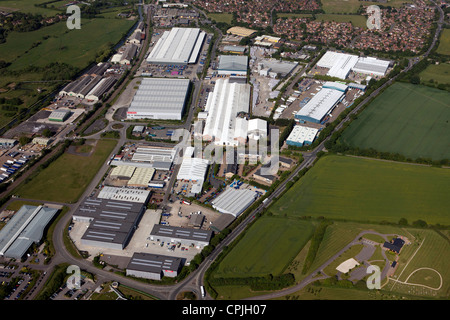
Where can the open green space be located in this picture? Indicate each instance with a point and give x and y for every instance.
(67, 178)
(436, 74)
(27, 6)
(267, 248)
(356, 20)
(408, 119)
(56, 43)
(221, 17)
(352, 6)
(444, 42)
(340, 187)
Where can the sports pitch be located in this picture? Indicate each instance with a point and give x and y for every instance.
(408, 119)
(366, 190)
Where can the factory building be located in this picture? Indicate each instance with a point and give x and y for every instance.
(101, 88)
(124, 194)
(152, 266)
(159, 98)
(25, 228)
(7, 143)
(223, 106)
(112, 222)
(122, 172)
(257, 129)
(241, 31)
(194, 170)
(179, 46)
(129, 54)
(339, 64)
(233, 65)
(185, 236)
(59, 115)
(371, 66)
(234, 201)
(322, 103)
(301, 136)
(141, 177)
(234, 49)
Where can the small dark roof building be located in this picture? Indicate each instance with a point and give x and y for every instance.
(395, 245)
(152, 266)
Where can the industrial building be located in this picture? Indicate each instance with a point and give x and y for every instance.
(371, 66)
(100, 89)
(241, 31)
(322, 103)
(141, 177)
(41, 141)
(159, 98)
(152, 266)
(276, 68)
(339, 64)
(257, 129)
(154, 154)
(223, 106)
(194, 170)
(124, 194)
(233, 65)
(185, 236)
(234, 49)
(122, 172)
(112, 222)
(177, 46)
(129, 54)
(234, 201)
(7, 143)
(98, 69)
(59, 115)
(25, 228)
(266, 41)
(301, 136)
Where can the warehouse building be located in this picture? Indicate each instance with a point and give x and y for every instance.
(371, 66)
(112, 222)
(129, 54)
(223, 106)
(159, 98)
(7, 143)
(99, 69)
(321, 104)
(154, 154)
(100, 89)
(234, 201)
(266, 41)
(152, 266)
(124, 194)
(233, 65)
(241, 31)
(177, 46)
(59, 115)
(185, 236)
(276, 67)
(25, 228)
(122, 172)
(339, 64)
(235, 49)
(141, 177)
(301, 136)
(194, 170)
(257, 129)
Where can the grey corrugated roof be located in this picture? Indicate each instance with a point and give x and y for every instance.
(233, 63)
(153, 263)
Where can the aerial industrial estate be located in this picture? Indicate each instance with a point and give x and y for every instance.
(206, 150)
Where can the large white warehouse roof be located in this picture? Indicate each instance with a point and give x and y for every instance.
(159, 98)
(370, 65)
(339, 63)
(223, 105)
(319, 105)
(177, 46)
(234, 201)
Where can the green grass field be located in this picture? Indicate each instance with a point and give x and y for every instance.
(59, 44)
(221, 17)
(444, 42)
(357, 189)
(267, 247)
(352, 6)
(65, 179)
(438, 73)
(408, 119)
(27, 6)
(356, 20)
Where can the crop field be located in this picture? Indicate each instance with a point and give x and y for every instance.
(408, 119)
(267, 247)
(444, 42)
(340, 187)
(67, 178)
